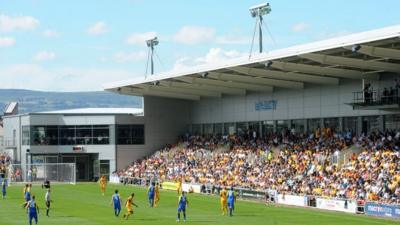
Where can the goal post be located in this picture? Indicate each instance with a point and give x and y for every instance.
(38, 173)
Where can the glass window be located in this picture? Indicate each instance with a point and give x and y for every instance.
(38, 135)
(84, 135)
(105, 167)
(282, 125)
(268, 127)
(25, 135)
(392, 122)
(101, 135)
(196, 129)
(229, 128)
(350, 124)
(124, 135)
(298, 125)
(241, 128)
(254, 126)
(218, 129)
(67, 135)
(189, 128)
(37, 159)
(208, 129)
(138, 134)
(370, 124)
(332, 123)
(313, 124)
(130, 134)
(52, 135)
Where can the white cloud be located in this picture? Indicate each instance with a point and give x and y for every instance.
(8, 24)
(122, 57)
(194, 35)
(36, 77)
(233, 40)
(50, 33)
(98, 28)
(213, 56)
(6, 42)
(300, 27)
(44, 56)
(140, 38)
(218, 55)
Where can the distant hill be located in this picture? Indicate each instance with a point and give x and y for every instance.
(38, 101)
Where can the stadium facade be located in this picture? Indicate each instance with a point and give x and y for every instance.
(99, 140)
(302, 87)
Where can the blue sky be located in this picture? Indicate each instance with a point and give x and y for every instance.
(79, 45)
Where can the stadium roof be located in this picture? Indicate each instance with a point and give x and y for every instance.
(96, 111)
(88, 111)
(356, 56)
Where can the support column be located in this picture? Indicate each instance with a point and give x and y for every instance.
(359, 125)
(340, 128)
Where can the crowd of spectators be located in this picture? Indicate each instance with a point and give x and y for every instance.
(5, 161)
(287, 162)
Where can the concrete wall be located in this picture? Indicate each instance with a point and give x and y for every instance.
(164, 119)
(1, 137)
(11, 125)
(126, 154)
(314, 101)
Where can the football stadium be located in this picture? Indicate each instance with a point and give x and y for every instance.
(302, 135)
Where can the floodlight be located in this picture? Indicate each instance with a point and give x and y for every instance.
(260, 10)
(355, 48)
(156, 83)
(152, 42)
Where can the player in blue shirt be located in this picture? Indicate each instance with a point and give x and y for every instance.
(231, 201)
(32, 209)
(182, 204)
(116, 201)
(151, 193)
(27, 194)
(4, 187)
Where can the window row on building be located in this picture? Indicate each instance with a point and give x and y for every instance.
(130, 134)
(357, 125)
(82, 135)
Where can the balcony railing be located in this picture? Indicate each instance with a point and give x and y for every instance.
(8, 142)
(375, 98)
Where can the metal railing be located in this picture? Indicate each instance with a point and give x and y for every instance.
(8, 142)
(376, 97)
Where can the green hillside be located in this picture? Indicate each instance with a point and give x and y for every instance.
(37, 101)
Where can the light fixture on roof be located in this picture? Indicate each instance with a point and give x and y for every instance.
(119, 89)
(204, 74)
(355, 48)
(151, 43)
(268, 64)
(156, 83)
(258, 11)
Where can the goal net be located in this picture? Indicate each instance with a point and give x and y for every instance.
(37, 173)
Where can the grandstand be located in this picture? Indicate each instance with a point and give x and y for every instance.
(316, 123)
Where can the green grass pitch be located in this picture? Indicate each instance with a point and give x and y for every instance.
(83, 204)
